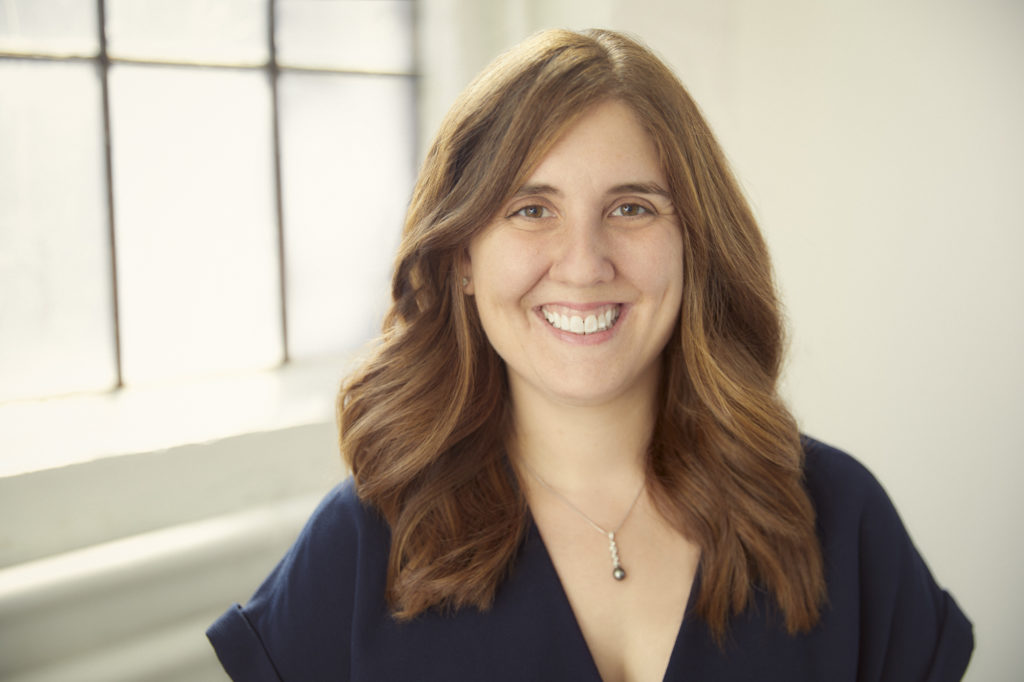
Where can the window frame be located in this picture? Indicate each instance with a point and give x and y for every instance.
(273, 69)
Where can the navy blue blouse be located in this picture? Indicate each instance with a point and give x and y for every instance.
(321, 614)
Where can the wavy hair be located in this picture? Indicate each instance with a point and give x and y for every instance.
(423, 422)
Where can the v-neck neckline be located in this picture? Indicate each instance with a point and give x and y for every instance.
(569, 616)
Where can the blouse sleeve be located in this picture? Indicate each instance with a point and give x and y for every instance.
(911, 628)
(240, 648)
(298, 624)
(908, 629)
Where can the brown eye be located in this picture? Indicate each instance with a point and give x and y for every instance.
(630, 210)
(532, 211)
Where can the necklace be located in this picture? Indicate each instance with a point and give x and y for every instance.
(618, 572)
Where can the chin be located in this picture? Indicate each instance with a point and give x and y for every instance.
(589, 396)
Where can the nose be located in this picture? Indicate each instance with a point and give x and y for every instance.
(582, 256)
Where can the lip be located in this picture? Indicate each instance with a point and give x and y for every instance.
(580, 307)
(591, 339)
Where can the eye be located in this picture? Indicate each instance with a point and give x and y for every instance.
(533, 211)
(630, 210)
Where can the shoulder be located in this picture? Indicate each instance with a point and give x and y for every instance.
(299, 622)
(829, 471)
(340, 518)
(854, 512)
(341, 534)
(340, 539)
(877, 579)
(855, 516)
(850, 503)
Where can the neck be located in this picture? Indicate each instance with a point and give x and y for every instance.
(593, 448)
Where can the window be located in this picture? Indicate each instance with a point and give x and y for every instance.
(194, 187)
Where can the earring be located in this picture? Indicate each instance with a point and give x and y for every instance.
(465, 281)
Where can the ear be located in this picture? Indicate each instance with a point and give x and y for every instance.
(465, 273)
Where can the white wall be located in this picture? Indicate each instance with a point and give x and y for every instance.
(880, 144)
(113, 569)
(881, 147)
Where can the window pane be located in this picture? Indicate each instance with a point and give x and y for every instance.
(194, 206)
(56, 324)
(358, 35)
(53, 27)
(221, 31)
(347, 165)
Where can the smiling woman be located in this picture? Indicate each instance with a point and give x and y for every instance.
(584, 335)
(578, 280)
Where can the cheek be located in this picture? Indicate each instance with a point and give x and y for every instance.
(503, 275)
(659, 267)
(672, 275)
(504, 270)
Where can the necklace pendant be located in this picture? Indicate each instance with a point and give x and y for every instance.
(618, 572)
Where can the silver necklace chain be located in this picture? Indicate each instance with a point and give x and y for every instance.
(618, 572)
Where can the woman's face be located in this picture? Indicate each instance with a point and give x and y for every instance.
(578, 280)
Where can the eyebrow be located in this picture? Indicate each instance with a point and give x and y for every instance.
(627, 188)
(641, 188)
(529, 190)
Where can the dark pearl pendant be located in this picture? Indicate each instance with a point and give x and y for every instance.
(617, 571)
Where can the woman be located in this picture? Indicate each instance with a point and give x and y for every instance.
(569, 457)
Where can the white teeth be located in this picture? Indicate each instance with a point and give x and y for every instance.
(578, 324)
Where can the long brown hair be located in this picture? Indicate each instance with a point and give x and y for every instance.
(423, 422)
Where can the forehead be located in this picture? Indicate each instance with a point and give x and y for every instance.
(606, 143)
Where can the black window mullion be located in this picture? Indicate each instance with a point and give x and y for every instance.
(273, 73)
(103, 64)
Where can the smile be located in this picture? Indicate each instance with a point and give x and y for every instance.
(594, 321)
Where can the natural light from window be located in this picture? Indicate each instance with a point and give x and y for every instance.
(202, 189)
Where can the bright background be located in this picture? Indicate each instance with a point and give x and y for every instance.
(881, 146)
